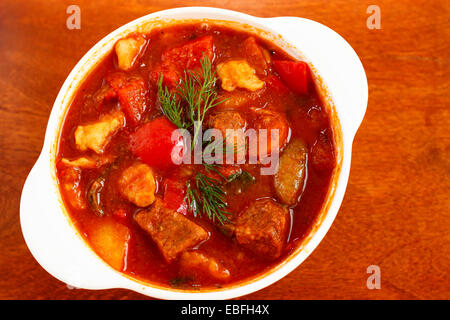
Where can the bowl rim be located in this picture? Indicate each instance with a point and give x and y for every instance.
(325, 217)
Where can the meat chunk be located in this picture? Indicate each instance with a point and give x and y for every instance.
(87, 162)
(262, 228)
(132, 93)
(231, 121)
(128, 50)
(96, 136)
(238, 74)
(71, 184)
(105, 93)
(257, 56)
(110, 240)
(172, 232)
(270, 120)
(289, 179)
(322, 153)
(226, 120)
(198, 265)
(138, 185)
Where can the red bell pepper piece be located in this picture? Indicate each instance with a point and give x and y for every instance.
(295, 75)
(174, 195)
(153, 144)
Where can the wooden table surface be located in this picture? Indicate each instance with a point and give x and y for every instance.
(396, 211)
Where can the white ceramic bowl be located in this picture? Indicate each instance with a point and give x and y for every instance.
(57, 245)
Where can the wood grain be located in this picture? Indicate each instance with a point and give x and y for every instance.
(396, 211)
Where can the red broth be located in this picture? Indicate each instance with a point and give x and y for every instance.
(141, 257)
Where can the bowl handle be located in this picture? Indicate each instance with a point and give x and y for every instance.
(335, 60)
(51, 239)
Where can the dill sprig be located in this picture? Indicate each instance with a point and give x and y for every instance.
(170, 105)
(198, 92)
(198, 89)
(211, 168)
(208, 198)
(243, 177)
(226, 149)
(187, 108)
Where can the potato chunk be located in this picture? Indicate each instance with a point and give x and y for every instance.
(262, 228)
(87, 162)
(289, 179)
(238, 74)
(96, 136)
(199, 265)
(172, 232)
(110, 240)
(128, 49)
(138, 185)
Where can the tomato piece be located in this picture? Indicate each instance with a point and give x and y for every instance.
(188, 56)
(132, 94)
(133, 100)
(170, 77)
(185, 57)
(153, 144)
(295, 75)
(174, 195)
